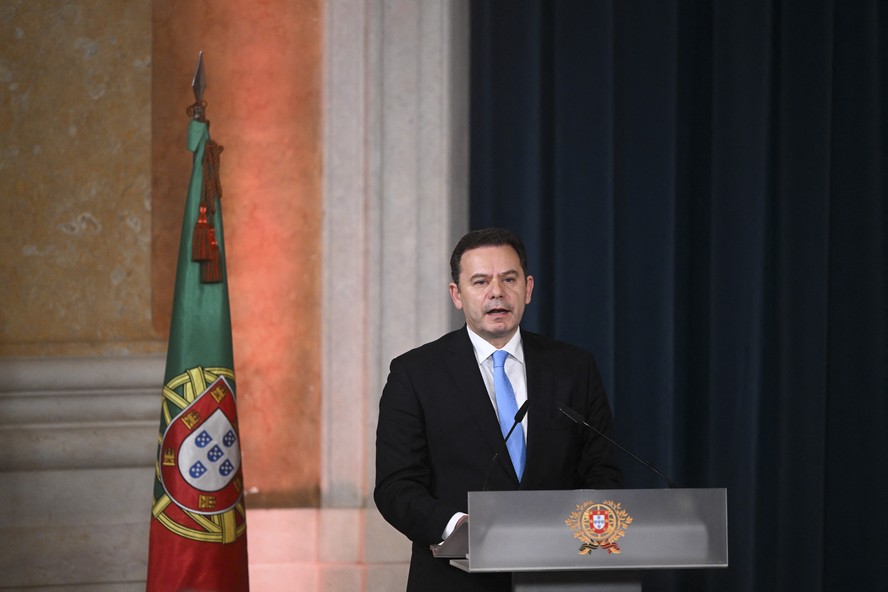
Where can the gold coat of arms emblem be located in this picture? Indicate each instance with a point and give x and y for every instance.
(598, 525)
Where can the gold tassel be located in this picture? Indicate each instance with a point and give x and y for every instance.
(200, 240)
(211, 269)
(204, 247)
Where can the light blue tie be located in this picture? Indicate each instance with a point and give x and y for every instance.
(507, 407)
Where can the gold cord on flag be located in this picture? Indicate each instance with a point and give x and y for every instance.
(204, 246)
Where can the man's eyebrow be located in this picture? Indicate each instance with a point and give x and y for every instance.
(509, 272)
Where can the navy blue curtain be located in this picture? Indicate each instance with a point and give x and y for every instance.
(702, 189)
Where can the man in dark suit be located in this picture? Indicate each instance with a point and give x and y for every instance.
(438, 416)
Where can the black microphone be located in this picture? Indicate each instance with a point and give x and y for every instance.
(519, 417)
(576, 417)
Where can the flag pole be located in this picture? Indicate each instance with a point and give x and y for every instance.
(198, 518)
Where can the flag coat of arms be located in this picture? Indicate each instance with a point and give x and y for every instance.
(198, 536)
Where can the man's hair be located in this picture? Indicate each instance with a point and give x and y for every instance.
(486, 237)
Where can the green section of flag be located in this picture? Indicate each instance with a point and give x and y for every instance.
(200, 329)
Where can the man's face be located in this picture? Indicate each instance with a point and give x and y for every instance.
(492, 292)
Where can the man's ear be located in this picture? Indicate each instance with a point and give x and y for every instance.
(529, 289)
(455, 296)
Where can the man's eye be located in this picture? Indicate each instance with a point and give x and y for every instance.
(480, 282)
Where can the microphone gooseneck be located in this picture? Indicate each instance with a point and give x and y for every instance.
(577, 418)
(519, 417)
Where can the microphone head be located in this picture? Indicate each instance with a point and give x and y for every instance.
(522, 411)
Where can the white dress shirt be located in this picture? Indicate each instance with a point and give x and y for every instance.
(514, 366)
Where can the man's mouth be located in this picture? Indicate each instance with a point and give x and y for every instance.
(496, 311)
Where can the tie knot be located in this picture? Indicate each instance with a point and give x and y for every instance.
(499, 358)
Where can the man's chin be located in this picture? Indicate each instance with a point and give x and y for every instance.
(499, 330)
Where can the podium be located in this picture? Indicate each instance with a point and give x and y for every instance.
(589, 539)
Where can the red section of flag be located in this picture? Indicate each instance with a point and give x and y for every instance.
(178, 564)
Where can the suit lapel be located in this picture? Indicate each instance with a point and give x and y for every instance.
(540, 381)
(472, 394)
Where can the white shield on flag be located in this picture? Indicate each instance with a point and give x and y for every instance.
(210, 457)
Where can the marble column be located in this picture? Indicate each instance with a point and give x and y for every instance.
(395, 202)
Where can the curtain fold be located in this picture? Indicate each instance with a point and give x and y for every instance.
(702, 190)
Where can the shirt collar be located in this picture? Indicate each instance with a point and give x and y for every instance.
(484, 349)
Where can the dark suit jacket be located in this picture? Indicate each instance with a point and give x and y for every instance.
(438, 432)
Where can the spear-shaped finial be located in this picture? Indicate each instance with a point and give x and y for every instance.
(199, 85)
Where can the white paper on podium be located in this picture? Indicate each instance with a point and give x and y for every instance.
(456, 546)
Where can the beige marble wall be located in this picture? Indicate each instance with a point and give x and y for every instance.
(93, 175)
(75, 177)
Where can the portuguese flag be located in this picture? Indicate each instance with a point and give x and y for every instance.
(198, 536)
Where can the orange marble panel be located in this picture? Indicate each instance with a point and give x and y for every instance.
(264, 65)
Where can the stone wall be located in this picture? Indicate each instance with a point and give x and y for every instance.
(372, 189)
(75, 178)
